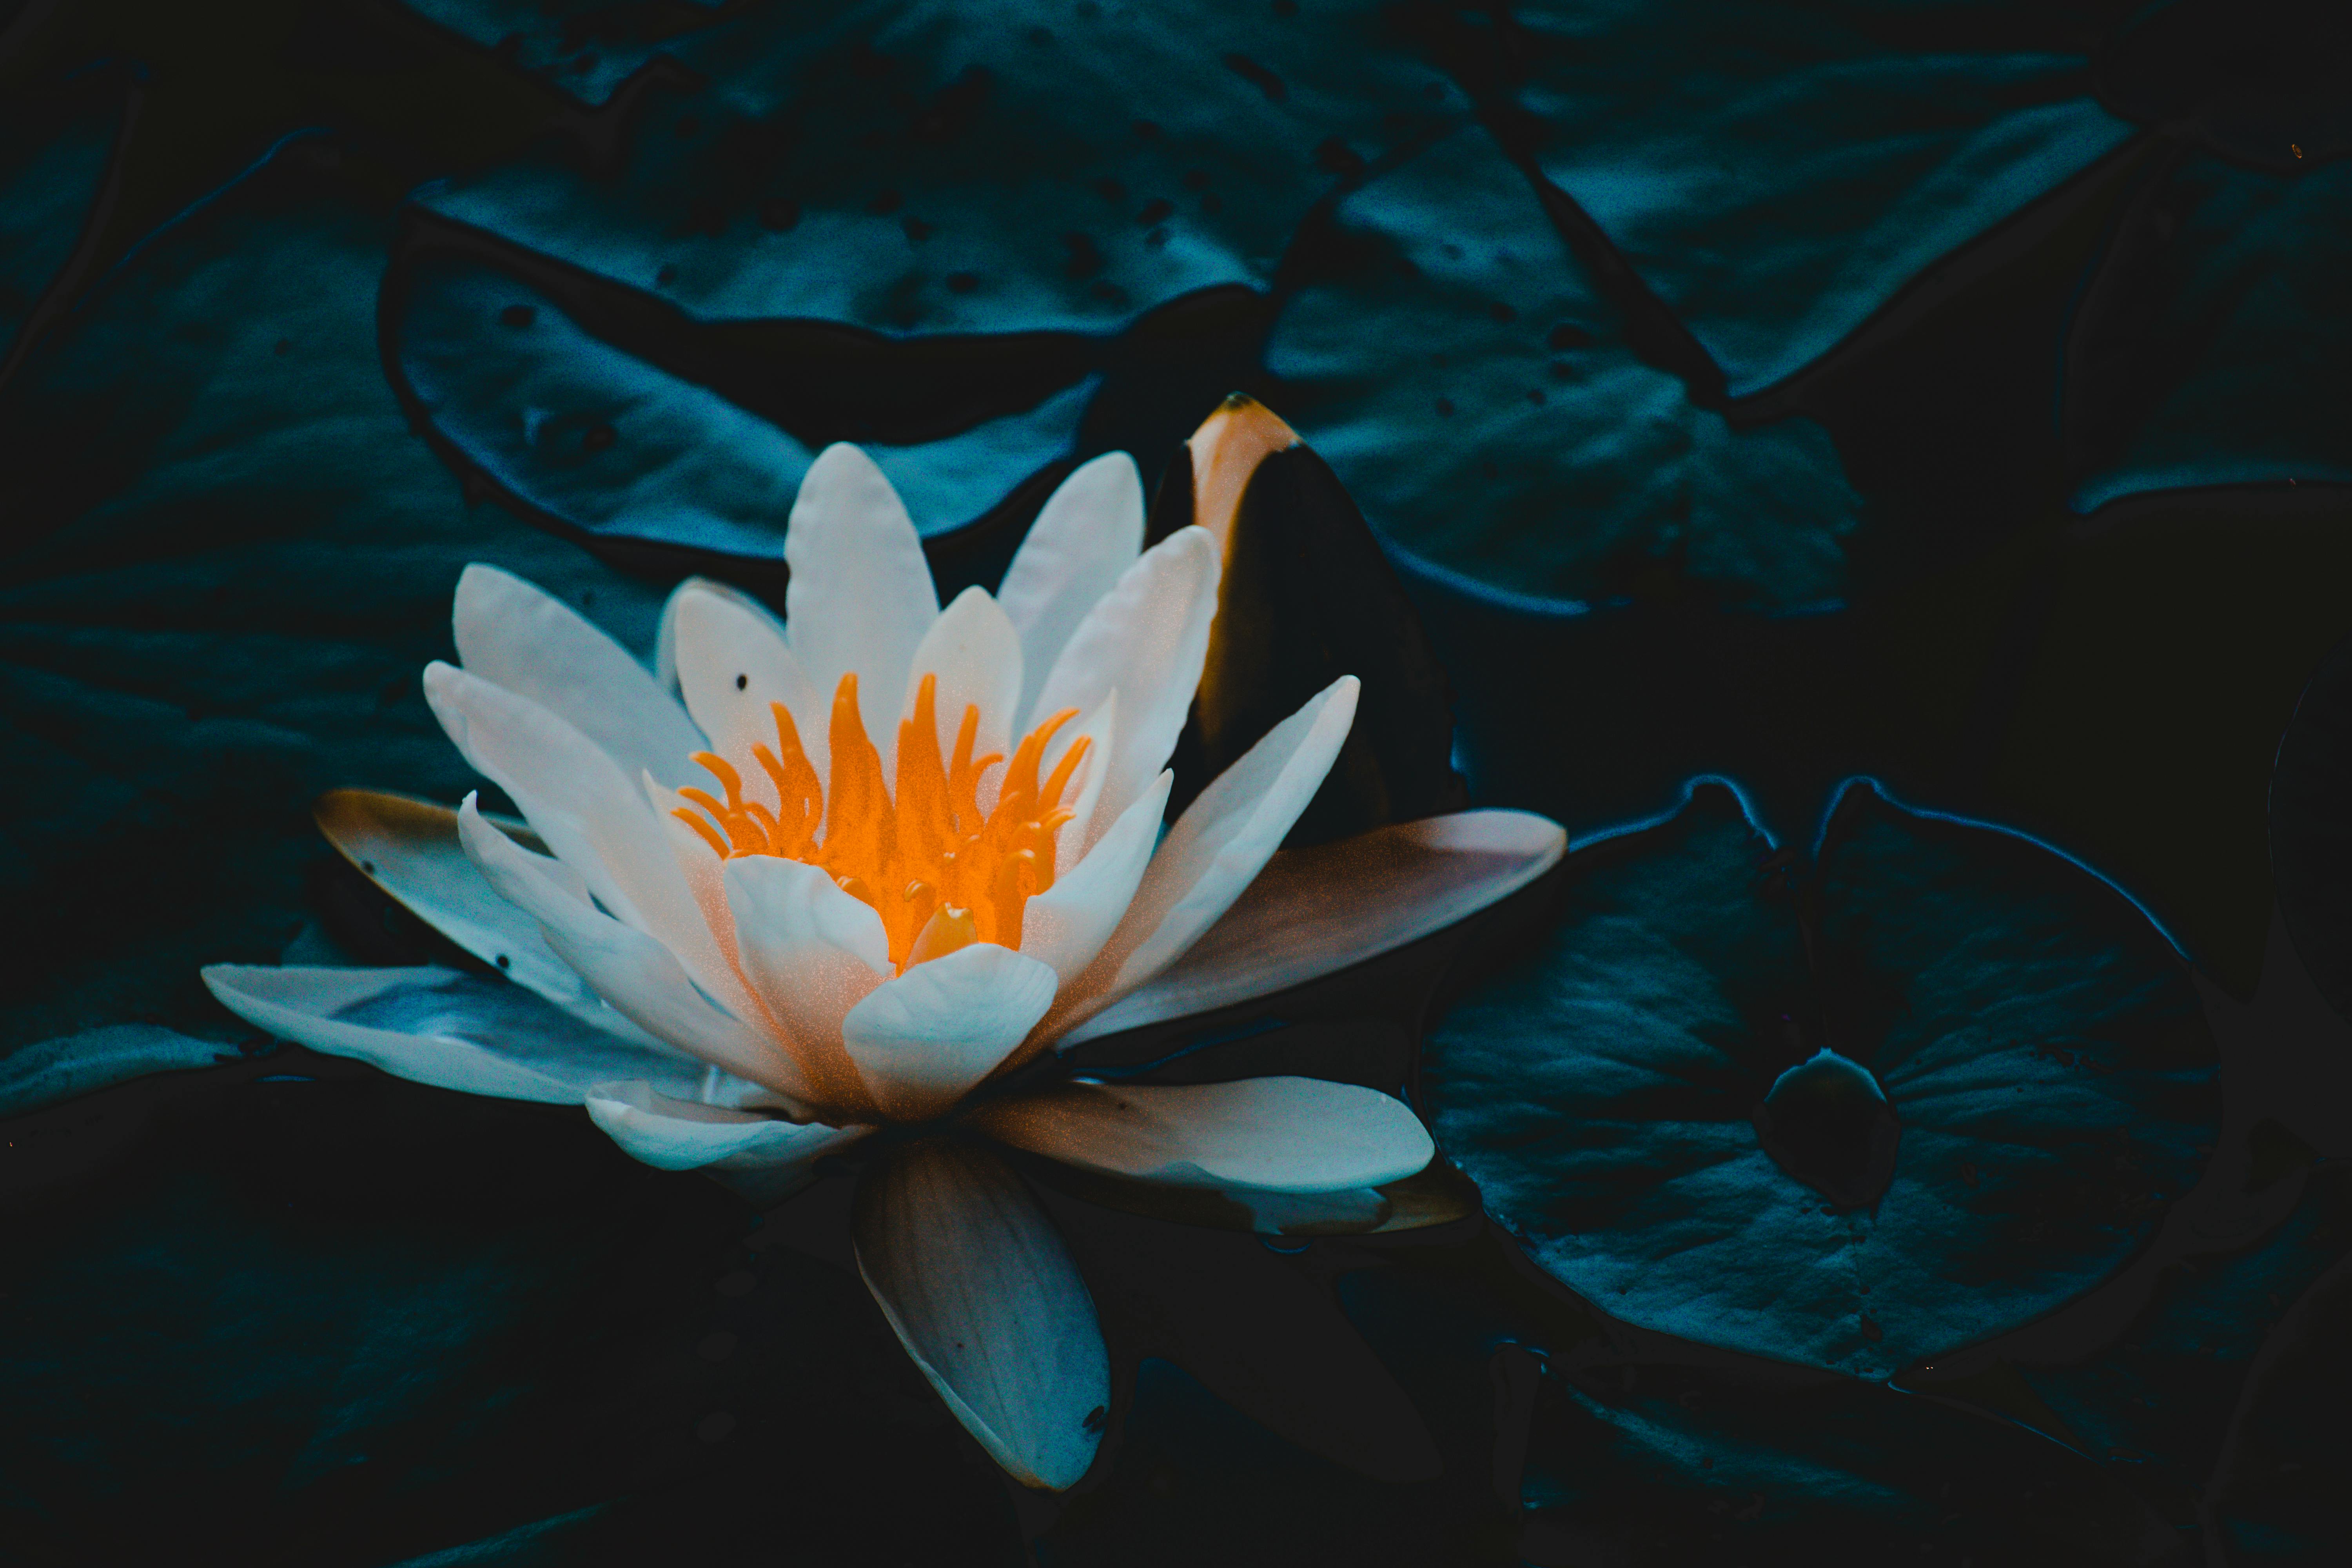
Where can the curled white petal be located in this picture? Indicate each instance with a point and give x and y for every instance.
(673, 1134)
(1278, 1134)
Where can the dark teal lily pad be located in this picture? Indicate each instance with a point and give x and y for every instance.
(2208, 347)
(1678, 1464)
(51, 172)
(1776, 174)
(1454, 363)
(355, 1321)
(229, 561)
(584, 47)
(2035, 1036)
(2157, 1404)
(581, 431)
(913, 165)
(2278, 1493)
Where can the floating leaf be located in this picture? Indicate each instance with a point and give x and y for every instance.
(2276, 1497)
(2026, 1024)
(2156, 1403)
(2207, 345)
(229, 562)
(353, 1322)
(1684, 1463)
(1455, 365)
(1777, 173)
(909, 164)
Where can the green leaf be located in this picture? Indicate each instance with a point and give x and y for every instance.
(1453, 361)
(2205, 347)
(2035, 1037)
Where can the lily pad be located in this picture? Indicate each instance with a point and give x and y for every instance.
(2158, 1403)
(229, 562)
(2277, 1496)
(1453, 361)
(2027, 1025)
(2205, 347)
(584, 49)
(354, 1322)
(1776, 174)
(1679, 1464)
(52, 171)
(906, 164)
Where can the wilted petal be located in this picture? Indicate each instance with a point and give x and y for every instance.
(813, 953)
(976, 655)
(733, 663)
(438, 1026)
(860, 597)
(984, 1296)
(1089, 531)
(593, 817)
(516, 634)
(923, 1039)
(1281, 1135)
(1065, 926)
(1220, 844)
(673, 1134)
(1146, 640)
(641, 978)
(1313, 912)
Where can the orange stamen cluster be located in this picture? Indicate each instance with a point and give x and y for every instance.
(940, 873)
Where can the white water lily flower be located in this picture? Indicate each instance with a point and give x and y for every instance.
(879, 857)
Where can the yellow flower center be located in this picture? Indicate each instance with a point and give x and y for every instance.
(941, 873)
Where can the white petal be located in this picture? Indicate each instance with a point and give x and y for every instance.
(515, 635)
(1100, 730)
(593, 817)
(410, 848)
(438, 1026)
(976, 654)
(1216, 849)
(732, 662)
(813, 953)
(860, 597)
(1145, 639)
(1089, 531)
(673, 1134)
(984, 1294)
(641, 978)
(1065, 926)
(666, 632)
(1313, 912)
(922, 1040)
(1282, 1135)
